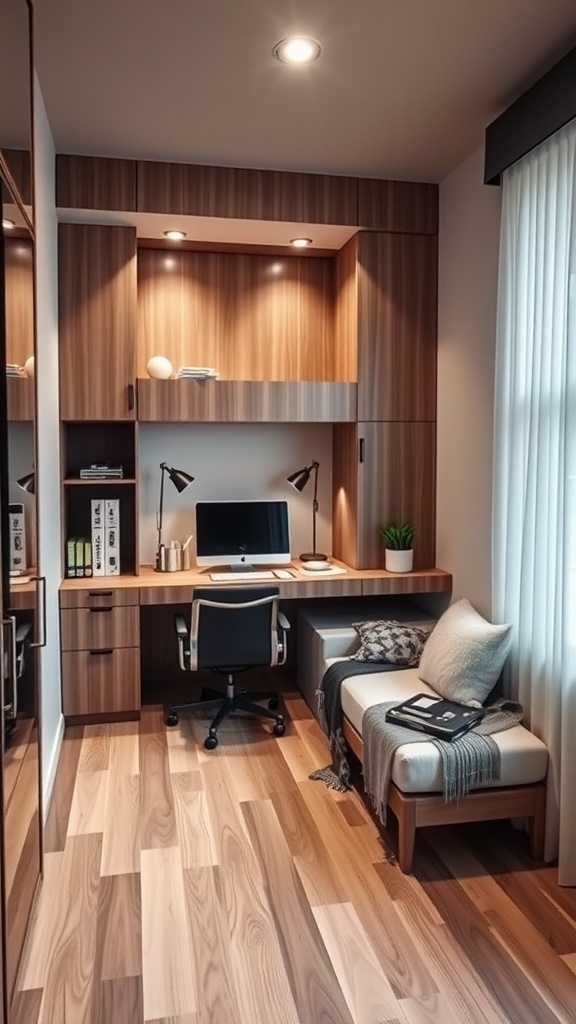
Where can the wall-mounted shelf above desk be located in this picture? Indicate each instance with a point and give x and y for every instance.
(247, 401)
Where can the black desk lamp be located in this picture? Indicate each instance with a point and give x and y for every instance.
(299, 481)
(181, 481)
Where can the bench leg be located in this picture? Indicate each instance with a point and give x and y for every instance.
(406, 815)
(537, 824)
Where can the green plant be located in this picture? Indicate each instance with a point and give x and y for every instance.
(398, 536)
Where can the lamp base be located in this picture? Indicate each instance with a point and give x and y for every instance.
(309, 556)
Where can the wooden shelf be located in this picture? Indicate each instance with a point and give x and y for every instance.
(249, 401)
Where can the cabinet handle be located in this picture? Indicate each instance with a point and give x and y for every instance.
(94, 610)
(100, 593)
(361, 450)
(41, 591)
(105, 650)
(130, 396)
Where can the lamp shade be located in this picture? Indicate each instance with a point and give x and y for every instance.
(28, 482)
(300, 478)
(180, 479)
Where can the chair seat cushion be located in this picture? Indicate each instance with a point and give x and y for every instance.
(417, 767)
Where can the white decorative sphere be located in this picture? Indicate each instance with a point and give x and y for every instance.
(159, 367)
(29, 366)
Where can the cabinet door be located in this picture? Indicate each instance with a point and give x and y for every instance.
(383, 472)
(97, 310)
(397, 326)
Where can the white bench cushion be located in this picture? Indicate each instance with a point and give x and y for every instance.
(417, 767)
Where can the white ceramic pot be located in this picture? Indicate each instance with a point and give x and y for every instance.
(399, 561)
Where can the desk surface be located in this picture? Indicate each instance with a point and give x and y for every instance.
(176, 587)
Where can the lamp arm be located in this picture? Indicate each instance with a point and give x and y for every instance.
(160, 512)
(315, 467)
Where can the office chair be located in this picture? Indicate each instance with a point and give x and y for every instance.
(231, 631)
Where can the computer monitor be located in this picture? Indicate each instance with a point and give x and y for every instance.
(242, 533)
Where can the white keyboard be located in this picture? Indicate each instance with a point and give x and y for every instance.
(241, 577)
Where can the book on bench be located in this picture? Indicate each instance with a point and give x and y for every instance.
(442, 718)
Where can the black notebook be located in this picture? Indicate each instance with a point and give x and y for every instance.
(442, 718)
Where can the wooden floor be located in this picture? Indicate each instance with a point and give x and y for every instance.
(192, 887)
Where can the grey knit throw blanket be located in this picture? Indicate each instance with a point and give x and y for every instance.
(473, 760)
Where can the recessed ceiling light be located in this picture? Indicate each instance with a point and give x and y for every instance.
(7, 223)
(300, 243)
(175, 236)
(297, 50)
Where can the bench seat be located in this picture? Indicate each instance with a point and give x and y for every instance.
(415, 793)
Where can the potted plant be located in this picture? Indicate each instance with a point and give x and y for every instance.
(398, 541)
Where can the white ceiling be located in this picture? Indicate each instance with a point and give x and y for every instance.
(404, 88)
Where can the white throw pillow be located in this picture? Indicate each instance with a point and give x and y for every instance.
(464, 655)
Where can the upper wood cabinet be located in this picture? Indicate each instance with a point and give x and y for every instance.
(386, 321)
(246, 193)
(95, 183)
(97, 311)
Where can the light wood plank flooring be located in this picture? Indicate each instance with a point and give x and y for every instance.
(191, 887)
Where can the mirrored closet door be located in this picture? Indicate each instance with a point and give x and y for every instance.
(20, 825)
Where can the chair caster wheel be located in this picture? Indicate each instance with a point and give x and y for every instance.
(279, 729)
(273, 703)
(211, 742)
(172, 718)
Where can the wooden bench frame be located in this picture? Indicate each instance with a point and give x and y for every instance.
(416, 810)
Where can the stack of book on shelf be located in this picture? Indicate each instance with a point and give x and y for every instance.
(101, 471)
(78, 557)
(99, 554)
(197, 372)
(13, 370)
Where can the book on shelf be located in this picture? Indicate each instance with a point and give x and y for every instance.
(442, 718)
(97, 536)
(112, 537)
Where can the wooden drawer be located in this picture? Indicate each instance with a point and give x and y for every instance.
(86, 629)
(101, 682)
(99, 597)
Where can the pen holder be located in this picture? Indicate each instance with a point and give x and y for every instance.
(185, 562)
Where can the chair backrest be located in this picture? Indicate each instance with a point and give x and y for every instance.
(234, 628)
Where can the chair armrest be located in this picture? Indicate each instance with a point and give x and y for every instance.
(283, 622)
(180, 625)
(183, 642)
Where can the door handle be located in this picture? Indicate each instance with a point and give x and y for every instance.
(361, 450)
(130, 396)
(42, 610)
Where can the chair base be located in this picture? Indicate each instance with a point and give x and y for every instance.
(226, 705)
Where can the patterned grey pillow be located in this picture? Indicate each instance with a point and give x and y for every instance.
(390, 641)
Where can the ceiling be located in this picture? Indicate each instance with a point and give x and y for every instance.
(404, 88)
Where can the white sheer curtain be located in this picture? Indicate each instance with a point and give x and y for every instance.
(534, 496)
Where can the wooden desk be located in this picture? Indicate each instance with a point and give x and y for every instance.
(101, 617)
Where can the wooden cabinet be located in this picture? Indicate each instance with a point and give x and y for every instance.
(397, 326)
(97, 314)
(100, 632)
(383, 472)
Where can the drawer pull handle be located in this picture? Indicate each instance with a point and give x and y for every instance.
(105, 650)
(94, 610)
(100, 593)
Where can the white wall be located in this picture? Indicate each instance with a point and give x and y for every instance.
(468, 268)
(48, 442)
(238, 461)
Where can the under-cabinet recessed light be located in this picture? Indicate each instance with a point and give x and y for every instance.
(7, 223)
(175, 236)
(297, 50)
(300, 243)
